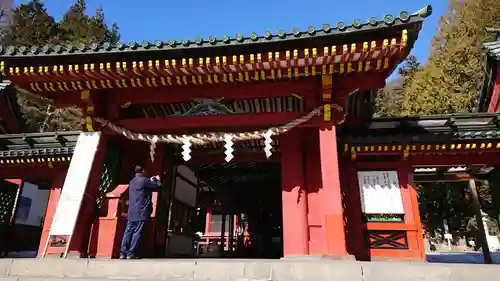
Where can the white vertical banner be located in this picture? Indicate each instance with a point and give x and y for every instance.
(380, 192)
(74, 185)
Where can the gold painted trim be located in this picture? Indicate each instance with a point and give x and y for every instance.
(409, 149)
(37, 160)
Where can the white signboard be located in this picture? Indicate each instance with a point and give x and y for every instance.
(74, 185)
(32, 205)
(380, 192)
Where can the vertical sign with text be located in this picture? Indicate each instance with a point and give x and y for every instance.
(75, 183)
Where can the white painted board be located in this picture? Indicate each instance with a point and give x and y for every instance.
(74, 185)
(380, 192)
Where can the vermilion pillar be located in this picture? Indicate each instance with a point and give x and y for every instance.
(315, 198)
(55, 194)
(208, 227)
(412, 215)
(294, 197)
(332, 195)
(494, 105)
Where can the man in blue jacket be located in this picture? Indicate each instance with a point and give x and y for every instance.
(140, 191)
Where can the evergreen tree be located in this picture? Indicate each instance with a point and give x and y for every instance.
(451, 201)
(448, 82)
(42, 115)
(77, 27)
(31, 25)
(389, 100)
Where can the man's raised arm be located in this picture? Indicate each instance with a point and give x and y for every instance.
(153, 183)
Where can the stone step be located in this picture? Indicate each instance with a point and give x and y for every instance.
(183, 269)
(237, 270)
(83, 279)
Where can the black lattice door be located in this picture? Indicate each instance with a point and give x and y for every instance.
(8, 193)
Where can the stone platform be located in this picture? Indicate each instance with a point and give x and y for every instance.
(238, 270)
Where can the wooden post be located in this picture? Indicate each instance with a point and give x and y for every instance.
(479, 221)
(230, 235)
(222, 234)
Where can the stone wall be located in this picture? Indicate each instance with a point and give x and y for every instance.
(239, 270)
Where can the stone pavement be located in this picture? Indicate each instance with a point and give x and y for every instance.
(238, 270)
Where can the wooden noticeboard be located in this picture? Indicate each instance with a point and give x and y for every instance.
(380, 192)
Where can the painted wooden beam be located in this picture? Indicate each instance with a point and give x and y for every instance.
(238, 158)
(304, 88)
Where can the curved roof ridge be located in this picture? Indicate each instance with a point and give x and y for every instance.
(388, 20)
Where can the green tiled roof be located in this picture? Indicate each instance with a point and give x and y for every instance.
(326, 30)
(441, 128)
(38, 144)
(493, 48)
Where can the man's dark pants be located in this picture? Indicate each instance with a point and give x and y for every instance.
(131, 238)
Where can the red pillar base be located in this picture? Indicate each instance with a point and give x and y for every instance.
(332, 195)
(313, 219)
(325, 211)
(294, 196)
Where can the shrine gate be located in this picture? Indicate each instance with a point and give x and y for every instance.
(245, 111)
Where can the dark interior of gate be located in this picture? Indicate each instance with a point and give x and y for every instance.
(249, 194)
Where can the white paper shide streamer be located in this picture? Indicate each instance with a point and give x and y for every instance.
(186, 147)
(268, 143)
(228, 139)
(152, 148)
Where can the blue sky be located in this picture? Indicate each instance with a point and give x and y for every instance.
(161, 19)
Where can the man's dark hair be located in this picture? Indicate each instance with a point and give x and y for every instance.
(138, 169)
